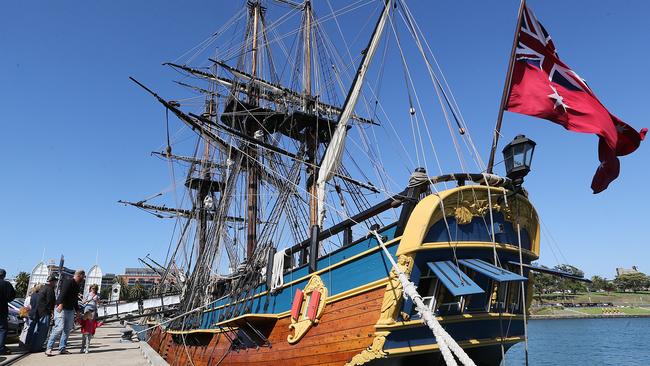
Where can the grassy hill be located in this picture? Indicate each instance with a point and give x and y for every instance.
(617, 298)
(625, 304)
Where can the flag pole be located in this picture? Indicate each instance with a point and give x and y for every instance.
(506, 89)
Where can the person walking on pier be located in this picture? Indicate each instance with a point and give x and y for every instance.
(67, 304)
(88, 326)
(7, 293)
(44, 309)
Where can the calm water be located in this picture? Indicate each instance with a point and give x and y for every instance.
(624, 342)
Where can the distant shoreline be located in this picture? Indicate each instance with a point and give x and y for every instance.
(586, 316)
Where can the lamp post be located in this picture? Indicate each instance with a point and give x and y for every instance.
(518, 155)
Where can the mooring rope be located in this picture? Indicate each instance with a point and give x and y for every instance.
(446, 343)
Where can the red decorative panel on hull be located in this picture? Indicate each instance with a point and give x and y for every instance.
(297, 303)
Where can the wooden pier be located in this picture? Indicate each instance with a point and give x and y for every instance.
(105, 349)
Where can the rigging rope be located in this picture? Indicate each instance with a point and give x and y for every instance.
(494, 242)
(523, 291)
(445, 342)
(369, 151)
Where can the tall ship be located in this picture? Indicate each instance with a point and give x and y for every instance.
(316, 224)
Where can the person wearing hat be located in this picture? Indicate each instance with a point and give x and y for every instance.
(7, 294)
(43, 314)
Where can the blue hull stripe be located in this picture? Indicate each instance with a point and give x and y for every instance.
(353, 274)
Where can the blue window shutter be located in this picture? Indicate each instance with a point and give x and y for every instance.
(490, 270)
(455, 280)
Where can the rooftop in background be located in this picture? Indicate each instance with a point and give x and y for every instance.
(147, 277)
(54, 268)
(140, 272)
(108, 279)
(622, 271)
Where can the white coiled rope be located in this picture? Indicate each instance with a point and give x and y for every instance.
(446, 343)
(277, 276)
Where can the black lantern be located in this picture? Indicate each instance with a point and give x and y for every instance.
(517, 156)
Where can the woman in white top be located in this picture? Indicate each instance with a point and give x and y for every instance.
(92, 299)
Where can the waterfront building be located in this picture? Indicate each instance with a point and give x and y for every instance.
(54, 268)
(622, 271)
(108, 280)
(147, 277)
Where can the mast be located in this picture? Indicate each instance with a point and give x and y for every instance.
(252, 176)
(311, 133)
(306, 68)
(202, 202)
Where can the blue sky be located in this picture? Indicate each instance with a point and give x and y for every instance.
(76, 134)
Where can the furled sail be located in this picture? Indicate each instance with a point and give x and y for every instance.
(334, 153)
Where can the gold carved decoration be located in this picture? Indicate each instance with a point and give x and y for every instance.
(463, 215)
(390, 307)
(465, 210)
(301, 325)
(394, 290)
(373, 352)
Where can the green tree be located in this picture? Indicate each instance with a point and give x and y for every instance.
(105, 293)
(125, 291)
(609, 286)
(570, 269)
(597, 283)
(567, 285)
(632, 281)
(138, 292)
(543, 284)
(22, 282)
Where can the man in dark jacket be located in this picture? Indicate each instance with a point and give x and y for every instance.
(43, 314)
(7, 293)
(67, 304)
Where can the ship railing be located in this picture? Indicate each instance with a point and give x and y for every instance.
(408, 197)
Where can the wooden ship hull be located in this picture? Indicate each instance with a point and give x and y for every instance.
(347, 307)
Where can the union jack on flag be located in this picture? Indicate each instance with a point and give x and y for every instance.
(536, 47)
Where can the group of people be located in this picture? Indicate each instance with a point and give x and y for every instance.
(45, 309)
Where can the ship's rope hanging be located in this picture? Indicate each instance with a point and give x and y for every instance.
(334, 153)
(238, 50)
(523, 289)
(492, 234)
(420, 39)
(468, 136)
(439, 93)
(445, 342)
(277, 279)
(367, 148)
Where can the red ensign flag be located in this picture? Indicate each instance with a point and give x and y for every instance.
(543, 86)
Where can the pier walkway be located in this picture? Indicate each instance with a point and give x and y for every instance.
(105, 349)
